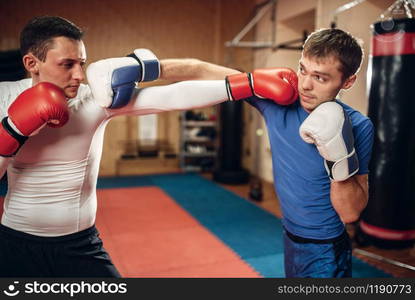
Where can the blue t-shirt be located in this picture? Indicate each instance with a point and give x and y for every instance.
(300, 178)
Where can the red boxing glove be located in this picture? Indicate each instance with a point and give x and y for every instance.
(278, 84)
(32, 109)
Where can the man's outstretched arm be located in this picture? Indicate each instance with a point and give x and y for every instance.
(181, 69)
(181, 95)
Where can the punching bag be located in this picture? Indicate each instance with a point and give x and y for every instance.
(389, 218)
(229, 168)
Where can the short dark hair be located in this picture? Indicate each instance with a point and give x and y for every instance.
(338, 43)
(37, 36)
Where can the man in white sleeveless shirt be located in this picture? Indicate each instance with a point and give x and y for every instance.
(47, 228)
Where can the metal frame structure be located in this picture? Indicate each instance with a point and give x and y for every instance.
(265, 7)
(236, 42)
(408, 5)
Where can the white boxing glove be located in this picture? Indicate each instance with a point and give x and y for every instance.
(112, 81)
(329, 127)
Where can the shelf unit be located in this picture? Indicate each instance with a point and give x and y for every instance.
(198, 144)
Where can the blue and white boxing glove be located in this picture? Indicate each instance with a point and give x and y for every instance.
(329, 127)
(112, 81)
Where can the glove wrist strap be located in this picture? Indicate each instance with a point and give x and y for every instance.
(343, 168)
(10, 147)
(149, 64)
(238, 86)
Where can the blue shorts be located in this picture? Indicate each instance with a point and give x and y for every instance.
(317, 259)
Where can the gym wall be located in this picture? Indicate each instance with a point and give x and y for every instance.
(171, 28)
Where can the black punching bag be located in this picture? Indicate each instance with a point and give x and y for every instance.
(389, 219)
(229, 168)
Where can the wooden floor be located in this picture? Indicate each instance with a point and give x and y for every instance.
(405, 256)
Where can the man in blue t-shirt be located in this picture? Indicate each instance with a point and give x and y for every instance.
(320, 150)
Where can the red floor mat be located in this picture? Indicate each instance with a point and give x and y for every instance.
(148, 235)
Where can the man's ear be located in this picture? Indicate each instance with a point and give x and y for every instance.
(349, 82)
(31, 63)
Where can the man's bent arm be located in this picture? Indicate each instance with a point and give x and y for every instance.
(350, 197)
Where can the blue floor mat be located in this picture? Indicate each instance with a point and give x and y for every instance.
(253, 233)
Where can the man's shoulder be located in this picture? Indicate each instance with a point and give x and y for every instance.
(83, 96)
(14, 88)
(357, 117)
(268, 104)
(9, 90)
(84, 92)
(363, 127)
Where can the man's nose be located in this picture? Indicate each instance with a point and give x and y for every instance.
(306, 83)
(79, 73)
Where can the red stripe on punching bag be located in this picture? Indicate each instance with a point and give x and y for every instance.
(396, 43)
(387, 234)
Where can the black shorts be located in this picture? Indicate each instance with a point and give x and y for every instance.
(75, 255)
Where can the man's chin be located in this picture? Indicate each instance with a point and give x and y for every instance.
(307, 105)
(71, 94)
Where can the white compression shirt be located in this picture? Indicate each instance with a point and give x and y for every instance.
(52, 179)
